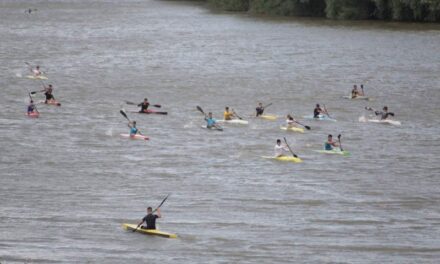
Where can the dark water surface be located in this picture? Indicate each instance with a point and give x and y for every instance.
(68, 181)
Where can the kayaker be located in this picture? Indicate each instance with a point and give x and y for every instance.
(259, 109)
(317, 111)
(149, 221)
(228, 115)
(355, 92)
(133, 128)
(144, 106)
(210, 121)
(330, 144)
(36, 71)
(279, 149)
(31, 107)
(48, 93)
(290, 121)
(384, 114)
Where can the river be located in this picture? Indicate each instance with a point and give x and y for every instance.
(68, 180)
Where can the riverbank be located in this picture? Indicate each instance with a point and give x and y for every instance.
(399, 10)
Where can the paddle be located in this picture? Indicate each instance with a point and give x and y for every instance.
(153, 211)
(340, 144)
(125, 115)
(307, 127)
(206, 116)
(131, 103)
(236, 114)
(264, 107)
(293, 154)
(326, 112)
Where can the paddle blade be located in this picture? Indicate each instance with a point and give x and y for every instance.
(124, 114)
(200, 109)
(307, 127)
(157, 105)
(34, 92)
(339, 136)
(129, 103)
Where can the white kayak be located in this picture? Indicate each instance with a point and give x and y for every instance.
(320, 118)
(293, 129)
(137, 136)
(234, 121)
(380, 121)
(357, 97)
(336, 151)
(37, 77)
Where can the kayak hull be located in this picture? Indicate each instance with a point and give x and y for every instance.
(284, 158)
(38, 77)
(233, 121)
(378, 121)
(137, 136)
(268, 117)
(319, 118)
(33, 114)
(334, 152)
(366, 98)
(213, 128)
(51, 102)
(151, 232)
(293, 129)
(149, 112)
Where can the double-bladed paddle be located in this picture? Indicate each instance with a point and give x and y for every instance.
(125, 115)
(131, 103)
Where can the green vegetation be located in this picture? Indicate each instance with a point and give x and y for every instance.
(398, 10)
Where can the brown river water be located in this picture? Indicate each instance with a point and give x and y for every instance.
(68, 180)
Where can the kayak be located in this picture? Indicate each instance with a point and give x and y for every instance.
(51, 102)
(384, 121)
(151, 232)
(151, 112)
(38, 77)
(234, 121)
(357, 97)
(294, 129)
(284, 158)
(213, 128)
(320, 118)
(34, 114)
(336, 151)
(268, 117)
(137, 136)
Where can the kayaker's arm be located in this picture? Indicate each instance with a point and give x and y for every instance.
(159, 215)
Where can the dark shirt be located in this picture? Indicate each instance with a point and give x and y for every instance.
(144, 107)
(49, 96)
(150, 219)
(316, 112)
(260, 110)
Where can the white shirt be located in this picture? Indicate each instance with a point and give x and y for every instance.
(279, 150)
(36, 72)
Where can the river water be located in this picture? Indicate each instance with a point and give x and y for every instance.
(68, 181)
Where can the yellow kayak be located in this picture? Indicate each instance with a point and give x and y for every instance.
(284, 158)
(268, 117)
(37, 77)
(151, 232)
(294, 129)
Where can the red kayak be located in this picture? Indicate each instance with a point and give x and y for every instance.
(52, 102)
(33, 114)
(137, 136)
(151, 112)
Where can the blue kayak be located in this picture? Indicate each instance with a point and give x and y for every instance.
(320, 118)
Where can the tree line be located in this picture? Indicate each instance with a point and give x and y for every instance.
(396, 10)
